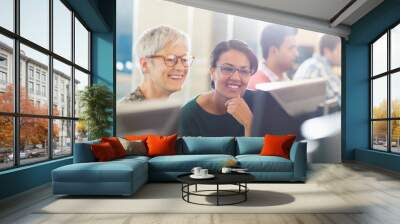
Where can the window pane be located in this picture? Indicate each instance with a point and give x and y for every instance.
(379, 135)
(81, 45)
(62, 141)
(379, 98)
(6, 74)
(395, 136)
(7, 14)
(35, 21)
(395, 94)
(81, 131)
(33, 139)
(379, 55)
(62, 89)
(81, 81)
(395, 47)
(62, 29)
(6, 142)
(34, 72)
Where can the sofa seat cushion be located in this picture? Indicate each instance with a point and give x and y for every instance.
(185, 163)
(112, 171)
(257, 163)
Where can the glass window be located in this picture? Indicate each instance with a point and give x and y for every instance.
(40, 62)
(81, 45)
(379, 56)
(33, 140)
(395, 47)
(62, 29)
(62, 72)
(35, 21)
(6, 142)
(62, 137)
(7, 14)
(379, 135)
(395, 136)
(81, 131)
(7, 75)
(81, 81)
(30, 88)
(395, 95)
(379, 98)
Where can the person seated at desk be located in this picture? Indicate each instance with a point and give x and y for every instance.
(279, 52)
(223, 110)
(321, 66)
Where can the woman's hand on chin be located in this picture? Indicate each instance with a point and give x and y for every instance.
(239, 109)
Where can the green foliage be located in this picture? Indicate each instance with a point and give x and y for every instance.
(96, 102)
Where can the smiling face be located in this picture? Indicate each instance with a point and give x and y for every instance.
(231, 86)
(164, 78)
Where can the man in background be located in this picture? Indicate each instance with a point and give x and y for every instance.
(279, 52)
(321, 66)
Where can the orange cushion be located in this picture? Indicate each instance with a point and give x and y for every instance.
(161, 145)
(116, 145)
(103, 151)
(277, 145)
(136, 137)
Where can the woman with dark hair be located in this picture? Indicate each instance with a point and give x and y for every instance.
(222, 111)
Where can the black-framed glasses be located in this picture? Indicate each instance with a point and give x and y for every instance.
(171, 60)
(230, 70)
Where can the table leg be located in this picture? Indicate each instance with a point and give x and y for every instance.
(217, 194)
(245, 191)
(196, 188)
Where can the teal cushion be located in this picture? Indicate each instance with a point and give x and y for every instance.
(257, 163)
(206, 145)
(185, 163)
(249, 145)
(111, 171)
(83, 152)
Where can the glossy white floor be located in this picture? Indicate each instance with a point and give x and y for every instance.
(377, 188)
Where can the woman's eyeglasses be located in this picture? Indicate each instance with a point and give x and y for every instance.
(230, 70)
(171, 60)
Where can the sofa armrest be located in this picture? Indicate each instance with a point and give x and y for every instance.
(83, 152)
(298, 155)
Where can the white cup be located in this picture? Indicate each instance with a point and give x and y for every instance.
(196, 171)
(226, 170)
(203, 172)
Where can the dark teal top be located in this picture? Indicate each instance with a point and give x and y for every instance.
(195, 121)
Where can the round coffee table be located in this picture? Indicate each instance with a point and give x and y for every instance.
(238, 179)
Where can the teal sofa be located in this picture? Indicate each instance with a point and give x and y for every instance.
(125, 176)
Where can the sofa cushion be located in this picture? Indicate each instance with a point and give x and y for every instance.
(206, 145)
(249, 145)
(257, 163)
(83, 152)
(185, 163)
(161, 145)
(277, 145)
(112, 171)
(103, 152)
(116, 145)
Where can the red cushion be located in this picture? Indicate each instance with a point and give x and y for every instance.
(277, 145)
(103, 151)
(116, 145)
(161, 145)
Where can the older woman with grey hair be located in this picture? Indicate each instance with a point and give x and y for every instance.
(164, 60)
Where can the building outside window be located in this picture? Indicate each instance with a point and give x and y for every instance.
(34, 81)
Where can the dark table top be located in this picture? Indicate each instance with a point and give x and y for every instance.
(220, 178)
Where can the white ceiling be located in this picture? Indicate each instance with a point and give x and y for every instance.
(316, 15)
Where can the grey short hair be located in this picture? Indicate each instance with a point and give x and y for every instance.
(155, 39)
